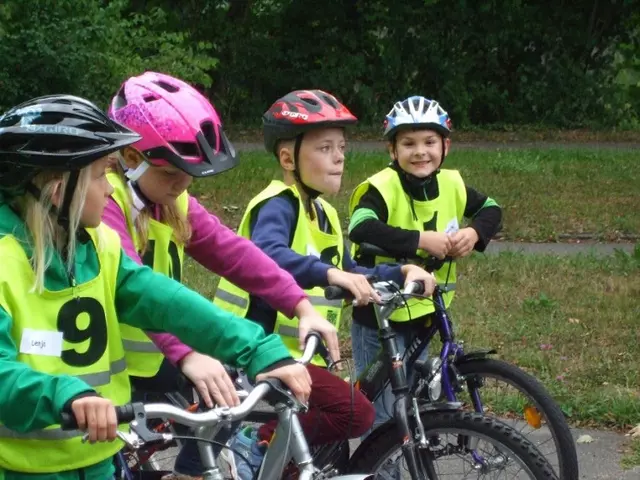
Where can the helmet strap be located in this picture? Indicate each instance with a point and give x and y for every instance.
(311, 193)
(33, 190)
(65, 208)
(134, 174)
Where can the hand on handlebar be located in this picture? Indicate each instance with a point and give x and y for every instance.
(413, 273)
(96, 416)
(462, 242)
(309, 319)
(295, 377)
(210, 379)
(358, 285)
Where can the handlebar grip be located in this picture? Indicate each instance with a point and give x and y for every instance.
(319, 348)
(416, 288)
(124, 414)
(334, 292)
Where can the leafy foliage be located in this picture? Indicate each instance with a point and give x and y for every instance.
(499, 62)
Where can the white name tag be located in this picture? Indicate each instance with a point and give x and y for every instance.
(452, 226)
(41, 342)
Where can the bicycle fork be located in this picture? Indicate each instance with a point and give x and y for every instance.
(400, 390)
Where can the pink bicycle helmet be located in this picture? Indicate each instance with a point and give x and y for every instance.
(177, 124)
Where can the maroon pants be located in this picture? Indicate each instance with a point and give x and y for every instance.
(336, 411)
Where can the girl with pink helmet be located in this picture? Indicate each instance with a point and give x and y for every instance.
(158, 222)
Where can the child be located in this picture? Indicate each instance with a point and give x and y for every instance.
(158, 222)
(301, 231)
(412, 207)
(65, 285)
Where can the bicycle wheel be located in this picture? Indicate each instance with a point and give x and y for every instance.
(455, 436)
(521, 401)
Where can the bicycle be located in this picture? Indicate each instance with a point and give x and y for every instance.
(288, 443)
(451, 373)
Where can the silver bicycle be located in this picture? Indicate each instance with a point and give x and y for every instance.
(289, 442)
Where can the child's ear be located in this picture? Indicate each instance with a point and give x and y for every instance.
(391, 147)
(132, 158)
(56, 196)
(285, 156)
(447, 145)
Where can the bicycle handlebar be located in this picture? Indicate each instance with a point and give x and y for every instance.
(128, 413)
(334, 292)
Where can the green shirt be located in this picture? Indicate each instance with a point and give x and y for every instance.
(31, 400)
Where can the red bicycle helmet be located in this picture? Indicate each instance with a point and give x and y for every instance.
(300, 111)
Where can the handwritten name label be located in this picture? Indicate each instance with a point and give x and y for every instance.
(41, 342)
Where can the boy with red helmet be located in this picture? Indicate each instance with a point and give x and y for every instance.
(301, 231)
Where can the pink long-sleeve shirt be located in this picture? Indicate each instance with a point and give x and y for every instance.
(219, 249)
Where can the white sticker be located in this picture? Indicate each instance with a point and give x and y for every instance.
(452, 226)
(41, 342)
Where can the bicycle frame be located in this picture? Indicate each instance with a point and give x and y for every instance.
(288, 442)
(388, 367)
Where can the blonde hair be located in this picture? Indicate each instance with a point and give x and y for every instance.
(46, 236)
(169, 214)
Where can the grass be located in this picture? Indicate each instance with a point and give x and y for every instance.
(487, 133)
(631, 457)
(546, 195)
(570, 321)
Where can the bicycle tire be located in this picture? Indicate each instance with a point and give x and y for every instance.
(525, 383)
(387, 439)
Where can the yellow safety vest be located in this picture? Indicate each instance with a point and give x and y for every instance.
(308, 239)
(91, 350)
(165, 255)
(437, 215)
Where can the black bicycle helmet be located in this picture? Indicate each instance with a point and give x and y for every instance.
(55, 132)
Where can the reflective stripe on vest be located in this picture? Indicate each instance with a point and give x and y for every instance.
(98, 359)
(308, 239)
(165, 255)
(435, 215)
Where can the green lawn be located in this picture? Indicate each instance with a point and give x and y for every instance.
(544, 193)
(571, 321)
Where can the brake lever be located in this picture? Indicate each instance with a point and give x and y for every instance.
(131, 439)
(243, 382)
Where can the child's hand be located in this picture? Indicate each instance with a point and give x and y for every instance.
(296, 377)
(309, 319)
(463, 242)
(357, 284)
(210, 379)
(436, 243)
(96, 416)
(413, 273)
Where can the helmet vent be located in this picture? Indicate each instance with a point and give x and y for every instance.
(150, 98)
(167, 86)
(210, 134)
(330, 101)
(186, 149)
(121, 99)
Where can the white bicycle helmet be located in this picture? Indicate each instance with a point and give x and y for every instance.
(417, 112)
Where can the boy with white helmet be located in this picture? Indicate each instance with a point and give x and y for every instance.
(415, 206)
